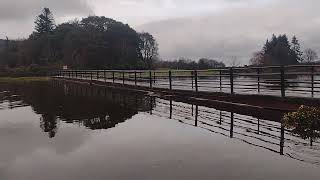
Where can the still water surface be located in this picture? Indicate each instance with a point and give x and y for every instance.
(67, 131)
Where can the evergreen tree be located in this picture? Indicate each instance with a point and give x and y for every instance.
(277, 51)
(45, 22)
(297, 54)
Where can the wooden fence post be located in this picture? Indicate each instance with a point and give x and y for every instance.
(258, 73)
(150, 78)
(196, 80)
(123, 77)
(192, 79)
(113, 80)
(312, 81)
(170, 80)
(220, 79)
(283, 85)
(135, 78)
(231, 81)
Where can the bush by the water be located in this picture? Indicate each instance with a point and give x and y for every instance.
(305, 122)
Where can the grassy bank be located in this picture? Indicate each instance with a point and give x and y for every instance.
(23, 79)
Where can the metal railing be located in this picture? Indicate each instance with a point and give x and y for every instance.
(295, 81)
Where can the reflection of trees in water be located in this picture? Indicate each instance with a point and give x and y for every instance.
(49, 124)
(90, 106)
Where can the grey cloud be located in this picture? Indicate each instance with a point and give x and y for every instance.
(17, 16)
(237, 31)
(25, 9)
(207, 28)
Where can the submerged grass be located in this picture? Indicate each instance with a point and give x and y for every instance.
(23, 79)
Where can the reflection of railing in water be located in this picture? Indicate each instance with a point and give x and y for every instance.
(297, 81)
(260, 133)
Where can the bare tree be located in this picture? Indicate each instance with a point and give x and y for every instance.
(310, 56)
(234, 61)
(149, 48)
(257, 59)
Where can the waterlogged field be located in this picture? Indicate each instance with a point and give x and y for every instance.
(52, 130)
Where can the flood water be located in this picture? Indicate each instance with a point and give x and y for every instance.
(53, 130)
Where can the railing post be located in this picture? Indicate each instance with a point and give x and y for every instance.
(104, 76)
(76, 74)
(312, 81)
(170, 80)
(192, 85)
(113, 80)
(283, 85)
(123, 77)
(97, 74)
(91, 75)
(196, 80)
(135, 78)
(220, 79)
(258, 73)
(231, 81)
(154, 76)
(150, 76)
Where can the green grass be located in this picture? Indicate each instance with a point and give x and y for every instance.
(23, 79)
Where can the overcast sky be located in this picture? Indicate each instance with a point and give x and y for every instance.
(184, 28)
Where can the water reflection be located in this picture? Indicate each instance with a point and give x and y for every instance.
(48, 124)
(266, 134)
(101, 108)
(89, 106)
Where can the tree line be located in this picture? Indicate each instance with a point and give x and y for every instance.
(188, 64)
(279, 51)
(98, 42)
(95, 42)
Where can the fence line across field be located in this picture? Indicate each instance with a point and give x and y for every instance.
(295, 81)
